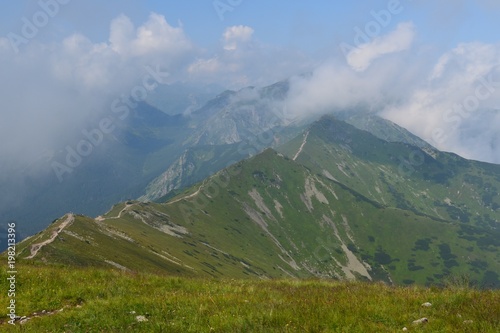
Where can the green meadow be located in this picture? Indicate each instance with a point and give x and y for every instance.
(64, 299)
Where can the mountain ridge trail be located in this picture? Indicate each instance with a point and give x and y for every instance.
(36, 247)
(301, 146)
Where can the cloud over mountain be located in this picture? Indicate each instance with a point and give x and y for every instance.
(235, 35)
(354, 82)
(457, 107)
(361, 57)
(65, 84)
(53, 91)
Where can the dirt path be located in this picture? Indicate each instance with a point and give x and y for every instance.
(187, 196)
(101, 218)
(36, 247)
(301, 146)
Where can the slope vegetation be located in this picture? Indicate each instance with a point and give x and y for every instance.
(273, 217)
(102, 300)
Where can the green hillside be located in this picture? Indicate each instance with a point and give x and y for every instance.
(63, 299)
(273, 217)
(423, 180)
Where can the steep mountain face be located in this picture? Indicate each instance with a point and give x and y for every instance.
(310, 211)
(229, 128)
(257, 119)
(193, 166)
(235, 116)
(199, 162)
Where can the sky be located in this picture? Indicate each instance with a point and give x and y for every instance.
(430, 66)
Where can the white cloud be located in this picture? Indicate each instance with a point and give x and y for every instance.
(4, 44)
(121, 33)
(52, 92)
(455, 108)
(331, 87)
(361, 58)
(208, 66)
(236, 35)
(154, 37)
(242, 60)
(335, 86)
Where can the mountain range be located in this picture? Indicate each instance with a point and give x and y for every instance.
(346, 197)
(144, 148)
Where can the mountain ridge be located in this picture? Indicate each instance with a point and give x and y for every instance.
(271, 216)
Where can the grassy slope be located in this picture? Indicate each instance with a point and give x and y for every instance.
(98, 300)
(224, 241)
(228, 233)
(438, 184)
